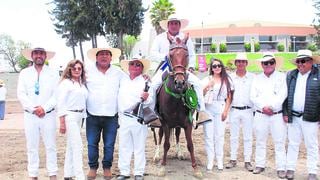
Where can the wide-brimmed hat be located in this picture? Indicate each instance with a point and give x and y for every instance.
(183, 22)
(1, 82)
(125, 63)
(240, 56)
(267, 56)
(92, 53)
(303, 53)
(27, 53)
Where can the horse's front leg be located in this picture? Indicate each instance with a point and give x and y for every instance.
(188, 134)
(179, 153)
(166, 146)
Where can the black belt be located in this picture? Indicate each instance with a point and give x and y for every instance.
(80, 110)
(278, 112)
(46, 112)
(241, 107)
(296, 113)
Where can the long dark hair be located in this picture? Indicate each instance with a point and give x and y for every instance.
(225, 79)
(67, 71)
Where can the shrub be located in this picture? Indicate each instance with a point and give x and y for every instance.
(312, 47)
(223, 47)
(280, 47)
(213, 47)
(247, 47)
(257, 47)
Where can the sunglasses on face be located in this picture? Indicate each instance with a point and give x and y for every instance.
(241, 61)
(136, 64)
(302, 61)
(36, 88)
(214, 66)
(76, 69)
(268, 63)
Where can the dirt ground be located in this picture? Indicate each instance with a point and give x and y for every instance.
(13, 156)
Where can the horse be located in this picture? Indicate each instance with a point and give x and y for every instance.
(174, 100)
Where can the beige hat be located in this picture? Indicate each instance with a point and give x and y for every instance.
(183, 22)
(240, 56)
(125, 63)
(27, 53)
(303, 53)
(267, 56)
(115, 52)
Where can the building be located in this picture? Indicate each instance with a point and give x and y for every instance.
(236, 34)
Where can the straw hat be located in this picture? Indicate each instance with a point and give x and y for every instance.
(27, 53)
(303, 53)
(240, 56)
(125, 64)
(92, 53)
(183, 22)
(267, 56)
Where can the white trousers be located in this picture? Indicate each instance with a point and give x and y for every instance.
(238, 118)
(278, 129)
(308, 131)
(46, 128)
(73, 159)
(214, 134)
(192, 79)
(132, 140)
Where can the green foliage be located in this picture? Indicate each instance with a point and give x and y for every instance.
(247, 47)
(23, 62)
(161, 10)
(312, 47)
(257, 47)
(280, 47)
(128, 44)
(11, 50)
(223, 47)
(213, 47)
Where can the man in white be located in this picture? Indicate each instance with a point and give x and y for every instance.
(132, 134)
(36, 92)
(3, 93)
(302, 112)
(268, 92)
(241, 112)
(160, 53)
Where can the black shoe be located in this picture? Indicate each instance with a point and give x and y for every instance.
(281, 174)
(231, 164)
(138, 177)
(248, 166)
(68, 178)
(122, 177)
(258, 170)
(290, 174)
(312, 177)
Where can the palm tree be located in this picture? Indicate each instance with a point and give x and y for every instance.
(161, 10)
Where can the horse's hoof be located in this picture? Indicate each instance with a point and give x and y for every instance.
(197, 173)
(162, 171)
(180, 156)
(156, 157)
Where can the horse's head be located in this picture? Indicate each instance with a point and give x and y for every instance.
(179, 60)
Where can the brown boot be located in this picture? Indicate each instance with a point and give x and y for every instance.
(248, 166)
(202, 118)
(34, 178)
(54, 177)
(107, 175)
(92, 174)
(231, 164)
(155, 123)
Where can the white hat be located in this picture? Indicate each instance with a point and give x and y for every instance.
(241, 56)
(303, 53)
(92, 53)
(267, 56)
(27, 53)
(125, 63)
(183, 22)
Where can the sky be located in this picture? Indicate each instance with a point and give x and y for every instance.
(29, 20)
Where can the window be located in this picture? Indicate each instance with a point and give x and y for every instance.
(267, 38)
(235, 39)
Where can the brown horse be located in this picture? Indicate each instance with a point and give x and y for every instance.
(172, 106)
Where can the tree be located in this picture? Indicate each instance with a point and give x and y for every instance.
(12, 50)
(128, 44)
(161, 10)
(316, 21)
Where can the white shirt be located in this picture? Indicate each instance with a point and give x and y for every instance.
(103, 89)
(300, 92)
(242, 85)
(3, 93)
(268, 91)
(48, 81)
(160, 48)
(130, 93)
(71, 96)
(214, 92)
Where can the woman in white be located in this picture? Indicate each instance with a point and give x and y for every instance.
(72, 95)
(217, 95)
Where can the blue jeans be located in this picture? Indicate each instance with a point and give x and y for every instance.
(108, 125)
(2, 109)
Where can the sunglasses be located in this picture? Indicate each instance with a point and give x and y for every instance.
(267, 63)
(136, 64)
(214, 66)
(302, 61)
(76, 69)
(36, 88)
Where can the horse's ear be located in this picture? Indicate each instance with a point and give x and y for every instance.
(170, 38)
(185, 39)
